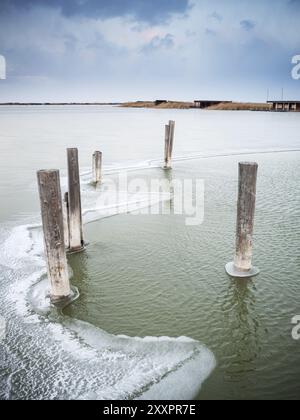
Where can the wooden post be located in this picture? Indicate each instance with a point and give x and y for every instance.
(242, 265)
(75, 213)
(167, 162)
(171, 138)
(169, 141)
(52, 217)
(66, 220)
(97, 167)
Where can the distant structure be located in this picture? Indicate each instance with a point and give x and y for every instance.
(205, 104)
(160, 101)
(285, 106)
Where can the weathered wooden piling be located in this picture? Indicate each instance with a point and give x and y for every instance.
(53, 227)
(169, 142)
(97, 167)
(75, 212)
(242, 264)
(167, 162)
(171, 135)
(66, 220)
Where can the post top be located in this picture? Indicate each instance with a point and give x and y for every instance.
(48, 171)
(248, 163)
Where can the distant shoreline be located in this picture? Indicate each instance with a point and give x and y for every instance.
(223, 106)
(56, 103)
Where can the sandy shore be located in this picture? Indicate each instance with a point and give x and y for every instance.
(164, 105)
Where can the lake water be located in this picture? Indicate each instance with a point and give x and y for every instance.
(207, 336)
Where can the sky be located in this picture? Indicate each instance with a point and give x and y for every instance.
(119, 50)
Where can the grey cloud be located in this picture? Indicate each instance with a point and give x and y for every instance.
(158, 43)
(210, 32)
(247, 24)
(190, 34)
(216, 16)
(154, 11)
(84, 53)
(294, 3)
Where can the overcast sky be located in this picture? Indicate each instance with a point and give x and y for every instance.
(116, 50)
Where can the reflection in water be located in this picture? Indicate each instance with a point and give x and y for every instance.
(80, 278)
(242, 329)
(168, 205)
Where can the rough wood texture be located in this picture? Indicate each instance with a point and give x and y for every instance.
(245, 215)
(169, 141)
(52, 217)
(167, 162)
(97, 167)
(75, 214)
(66, 220)
(171, 138)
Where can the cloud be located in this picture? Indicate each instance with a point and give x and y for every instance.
(114, 50)
(158, 43)
(216, 16)
(294, 3)
(150, 11)
(210, 32)
(247, 24)
(190, 34)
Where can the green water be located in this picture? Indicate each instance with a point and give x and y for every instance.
(152, 275)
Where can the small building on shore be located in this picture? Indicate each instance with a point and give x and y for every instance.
(205, 103)
(285, 106)
(160, 101)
